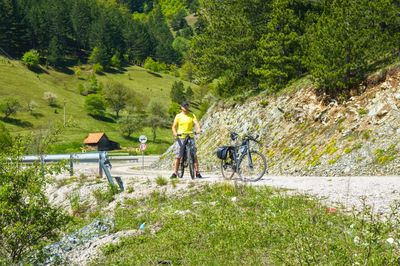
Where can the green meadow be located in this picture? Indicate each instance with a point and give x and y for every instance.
(25, 85)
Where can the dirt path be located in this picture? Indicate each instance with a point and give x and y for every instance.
(380, 192)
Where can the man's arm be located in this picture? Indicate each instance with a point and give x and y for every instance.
(197, 125)
(174, 126)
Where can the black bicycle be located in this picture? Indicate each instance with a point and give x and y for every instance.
(249, 164)
(188, 156)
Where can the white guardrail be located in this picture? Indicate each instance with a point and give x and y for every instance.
(101, 158)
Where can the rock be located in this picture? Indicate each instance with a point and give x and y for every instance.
(379, 110)
(180, 212)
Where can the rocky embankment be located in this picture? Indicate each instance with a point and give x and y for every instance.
(303, 133)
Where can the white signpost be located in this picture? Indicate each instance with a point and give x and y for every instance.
(143, 139)
(142, 147)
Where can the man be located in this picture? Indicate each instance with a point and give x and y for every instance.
(183, 125)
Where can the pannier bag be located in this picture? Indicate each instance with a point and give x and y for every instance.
(222, 152)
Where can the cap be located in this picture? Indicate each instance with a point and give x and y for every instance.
(184, 104)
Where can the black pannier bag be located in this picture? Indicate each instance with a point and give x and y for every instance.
(222, 152)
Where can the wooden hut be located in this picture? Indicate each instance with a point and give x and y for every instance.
(100, 142)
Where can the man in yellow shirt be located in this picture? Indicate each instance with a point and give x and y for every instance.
(183, 125)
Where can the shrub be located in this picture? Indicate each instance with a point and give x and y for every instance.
(98, 68)
(130, 124)
(10, 107)
(115, 61)
(92, 86)
(78, 207)
(161, 181)
(32, 106)
(154, 65)
(50, 98)
(385, 156)
(174, 108)
(5, 138)
(98, 56)
(95, 105)
(27, 219)
(105, 196)
(31, 59)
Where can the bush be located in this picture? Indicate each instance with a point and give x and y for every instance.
(32, 106)
(31, 59)
(91, 87)
(103, 197)
(115, 61)
(154, 65)
(95, 105)
(98, 56)
(10, 107)
(161, 181)
(50, 98)
(5, 138)
(27, 219)
(98, 68)
(174, 108)
(129, 125)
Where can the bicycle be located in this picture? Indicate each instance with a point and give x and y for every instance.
(188, 157)
(234, 158)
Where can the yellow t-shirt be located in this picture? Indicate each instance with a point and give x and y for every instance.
(185, 122)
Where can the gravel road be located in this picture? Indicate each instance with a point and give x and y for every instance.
(380, 192)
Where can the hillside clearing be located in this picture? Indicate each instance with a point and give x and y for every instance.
(27, 86)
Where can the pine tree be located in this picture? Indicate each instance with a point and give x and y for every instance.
(177, 93)
(178, 20)
(227, 49)
(138, 41)
(279, 49)
(54, 56)
(346, 42)
(81, 19)
(160, 31)
(13, 32)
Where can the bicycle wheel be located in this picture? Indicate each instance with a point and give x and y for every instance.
(253, 168)
(181, 169)
(190, 159)
(227, 168)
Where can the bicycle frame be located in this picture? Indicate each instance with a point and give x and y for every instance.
(241, 160)
(186, 144)
(187, 151)
(244, 150)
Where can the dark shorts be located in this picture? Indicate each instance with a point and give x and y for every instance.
(179, 151)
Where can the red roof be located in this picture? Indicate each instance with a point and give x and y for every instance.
(93, 138)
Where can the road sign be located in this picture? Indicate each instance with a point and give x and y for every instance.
(142, 139)
(143, 147)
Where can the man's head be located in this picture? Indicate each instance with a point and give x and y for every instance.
(185, 106)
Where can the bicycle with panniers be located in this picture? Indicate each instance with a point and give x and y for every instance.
(242, 159)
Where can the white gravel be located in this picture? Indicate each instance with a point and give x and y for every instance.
(380, 192)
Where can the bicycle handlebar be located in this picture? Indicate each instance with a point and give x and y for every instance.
(187, 134)
(253, 138)
(249, 137)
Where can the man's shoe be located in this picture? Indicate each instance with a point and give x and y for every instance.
(198, 175)
(173, 176)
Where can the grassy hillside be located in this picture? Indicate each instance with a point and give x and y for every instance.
(26, 86)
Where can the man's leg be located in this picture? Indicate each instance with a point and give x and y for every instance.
(196, 165)
(177, 151)
(177, 162)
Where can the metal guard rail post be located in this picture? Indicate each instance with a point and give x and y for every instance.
(100, 157)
